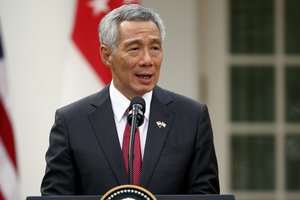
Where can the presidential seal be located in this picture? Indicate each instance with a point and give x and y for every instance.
(128, 192)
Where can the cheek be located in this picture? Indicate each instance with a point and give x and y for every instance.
(158, 65)
(158, 60)
(127, 63)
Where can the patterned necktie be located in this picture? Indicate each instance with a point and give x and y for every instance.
(137, 160)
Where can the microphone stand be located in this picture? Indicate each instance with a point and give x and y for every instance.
(134, 125)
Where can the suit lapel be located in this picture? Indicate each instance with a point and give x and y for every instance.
(156, 135)
(102, 121)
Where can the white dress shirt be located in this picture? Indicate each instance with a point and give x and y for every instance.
(119, 106)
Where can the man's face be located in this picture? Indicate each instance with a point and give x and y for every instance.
(136, 61)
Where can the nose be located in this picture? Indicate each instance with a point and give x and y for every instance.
(146, 59)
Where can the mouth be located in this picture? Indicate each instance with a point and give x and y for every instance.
(144, 76)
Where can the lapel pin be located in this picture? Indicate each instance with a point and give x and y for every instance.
(161, 124)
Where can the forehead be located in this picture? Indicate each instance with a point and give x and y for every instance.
(136, 29)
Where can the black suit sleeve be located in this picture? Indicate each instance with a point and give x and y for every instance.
(203, 175)
(60, 175)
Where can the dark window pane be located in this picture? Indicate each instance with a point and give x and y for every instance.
(292, 106)
(292, 26)
(252, 94)
(252, 162)
(292, 155)
(251, 26)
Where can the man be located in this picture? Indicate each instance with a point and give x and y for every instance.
(85, 152)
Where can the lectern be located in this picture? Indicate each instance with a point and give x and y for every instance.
(132, 192)
(158, 197)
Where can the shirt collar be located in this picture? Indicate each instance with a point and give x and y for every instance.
(120, 103)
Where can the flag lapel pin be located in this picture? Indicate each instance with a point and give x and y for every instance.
(161, 124)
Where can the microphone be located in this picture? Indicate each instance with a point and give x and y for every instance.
(135, 118)
(137, 109)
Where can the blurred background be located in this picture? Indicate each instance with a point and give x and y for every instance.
(241, 57)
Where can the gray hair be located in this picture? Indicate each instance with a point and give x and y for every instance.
(109, 25)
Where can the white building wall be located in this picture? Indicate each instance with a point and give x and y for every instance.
(35, 33)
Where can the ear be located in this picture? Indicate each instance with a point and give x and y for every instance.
(106, 55)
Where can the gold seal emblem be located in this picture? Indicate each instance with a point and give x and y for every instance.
(128, 192)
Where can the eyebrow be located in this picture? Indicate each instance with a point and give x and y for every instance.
(132, 42)
(137, 41)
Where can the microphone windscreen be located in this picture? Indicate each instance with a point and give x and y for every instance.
(139, 101)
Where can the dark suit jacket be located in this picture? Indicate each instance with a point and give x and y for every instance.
(85, 157)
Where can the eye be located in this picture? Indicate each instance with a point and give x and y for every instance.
(134, 49)
(156, 49)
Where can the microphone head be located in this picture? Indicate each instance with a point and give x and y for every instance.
(138, 101)
(137, 106)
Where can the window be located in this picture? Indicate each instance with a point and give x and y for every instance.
(264, 84)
